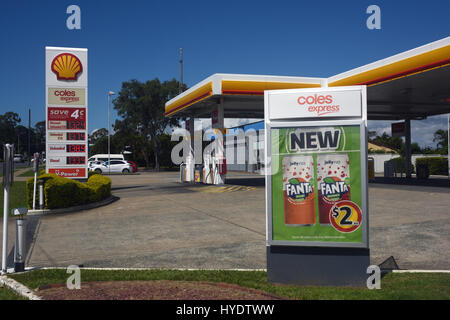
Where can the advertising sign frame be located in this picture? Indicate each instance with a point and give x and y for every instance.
(357, 118)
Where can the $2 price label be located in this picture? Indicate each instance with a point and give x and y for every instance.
(345, 216)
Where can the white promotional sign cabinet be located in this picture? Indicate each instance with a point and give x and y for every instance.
(303, 253)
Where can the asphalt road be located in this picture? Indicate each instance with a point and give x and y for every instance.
(161, 223)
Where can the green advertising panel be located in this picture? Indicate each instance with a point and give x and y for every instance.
(317, 184)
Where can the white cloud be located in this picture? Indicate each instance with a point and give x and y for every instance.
(422, 131)
(205, 124)
(230, 123)
(379, 127)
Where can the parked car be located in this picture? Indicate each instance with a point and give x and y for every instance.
(106, 157)
(93, 164)
(116, 166)
(18, 158)
(134, 165)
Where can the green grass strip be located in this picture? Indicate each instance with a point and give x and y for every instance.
(7, 294)
(30, 172)
(17, 196)
(394, 286)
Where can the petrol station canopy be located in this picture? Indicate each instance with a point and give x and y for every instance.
(411, 85)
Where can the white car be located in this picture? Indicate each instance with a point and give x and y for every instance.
(92, 164)
(116, 166)
(18, 158)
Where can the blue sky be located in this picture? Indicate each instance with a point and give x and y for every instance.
(138, 39)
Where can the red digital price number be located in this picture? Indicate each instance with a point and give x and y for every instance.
(76, 148)
(76, 160)
(76, 136)
(76, 125)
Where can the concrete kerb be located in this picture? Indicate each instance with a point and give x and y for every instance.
(194, 269)
(88, 206)
(18, 288)
(421, 271)
(148, 269)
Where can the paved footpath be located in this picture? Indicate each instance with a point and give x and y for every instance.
(161, 223)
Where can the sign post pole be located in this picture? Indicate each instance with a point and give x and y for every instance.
(8, 179)
(5, 226)
(35, 169)
(316, 186)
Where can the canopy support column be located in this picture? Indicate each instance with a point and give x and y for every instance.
(218, 122)
(408, 166)
(192, 132)
(190, 159)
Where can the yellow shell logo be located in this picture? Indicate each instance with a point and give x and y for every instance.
(67, 66)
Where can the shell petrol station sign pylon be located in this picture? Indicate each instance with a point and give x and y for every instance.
(66, 91)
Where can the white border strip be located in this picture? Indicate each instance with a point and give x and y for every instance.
(194, 269)
(146, 269)
(18, 288)
(421, 271)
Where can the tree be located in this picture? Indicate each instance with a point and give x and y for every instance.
(441, 137)
(371, 134)
(40, 137)
(415, 149)
(386, 140)
(128, 139)
(141, 106)
(12, 132)
(99, 147)
(21, 135)
(166, 150)
(8, 123)
(98, 142)
(98, 134)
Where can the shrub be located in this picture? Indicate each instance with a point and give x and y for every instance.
(373, 151)
(400, 165)
(30, 182)
(99, 186)
(62, 192)
(91, 173)
(436, 165)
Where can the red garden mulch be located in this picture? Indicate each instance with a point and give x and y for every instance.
(153, 290)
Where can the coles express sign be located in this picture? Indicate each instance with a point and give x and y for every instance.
(304, 104)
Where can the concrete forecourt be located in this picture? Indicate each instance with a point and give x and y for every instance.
(161, 223)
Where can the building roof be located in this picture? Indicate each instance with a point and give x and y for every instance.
(412, 84)
(374, 147)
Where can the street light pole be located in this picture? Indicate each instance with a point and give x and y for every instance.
(110, 93)
(180, 85)
(29, 136)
